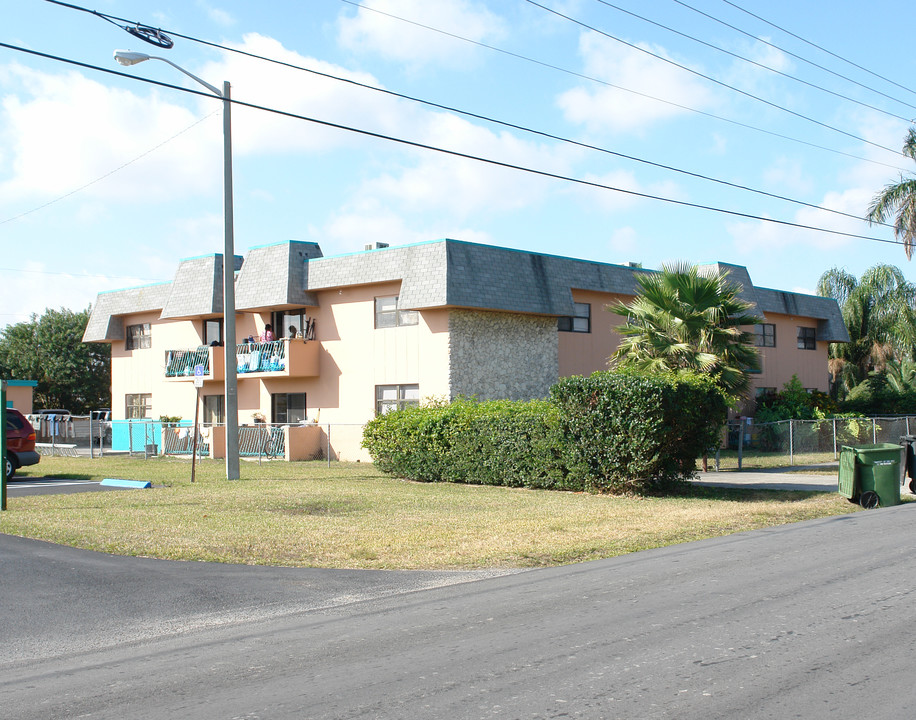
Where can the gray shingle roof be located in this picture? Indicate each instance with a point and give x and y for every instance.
(444, 273)
(105, 322)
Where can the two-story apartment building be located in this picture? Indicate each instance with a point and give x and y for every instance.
(361, 333)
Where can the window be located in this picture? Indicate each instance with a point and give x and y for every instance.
(807, 338)
(580, 321)
(765, 335)
(395, 397)
(388, 314)
(763, 392)
(288, 408)
(138, 406)
(283, 321)
(138, 337)
(213, 332)
(214, 413)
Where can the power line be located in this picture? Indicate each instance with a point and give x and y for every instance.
(572, 73)
(792, 54)
(455, 153)
(518, 127)
(108, 174)
(502, 51)
(754, 62)
(822, 49)
(708, 77)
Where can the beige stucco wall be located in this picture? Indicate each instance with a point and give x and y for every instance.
(584, 353)
(781, 362)
(143, 371)
(20, 397)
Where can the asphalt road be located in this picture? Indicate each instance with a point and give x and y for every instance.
(810, 620)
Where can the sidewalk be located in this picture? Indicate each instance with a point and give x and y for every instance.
(778, 479)
(819, 478)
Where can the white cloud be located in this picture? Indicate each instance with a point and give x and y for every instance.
(601, 107)
(384, 34)
(63, 132)
(217, 15)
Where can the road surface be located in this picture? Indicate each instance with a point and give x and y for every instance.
(812, 620)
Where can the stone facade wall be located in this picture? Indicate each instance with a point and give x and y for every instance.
(502, 356)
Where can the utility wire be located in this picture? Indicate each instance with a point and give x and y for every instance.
(754, 62)
(792, 54)
(505, 52)
(513, 126)
(573, 73)
(822, 49)
(708, 77)
(108, 174)
(454, 153)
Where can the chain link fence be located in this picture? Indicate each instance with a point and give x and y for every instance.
(93, 436)
(805, 442)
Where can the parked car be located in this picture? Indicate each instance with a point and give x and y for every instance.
(20, 442)
(101, 421)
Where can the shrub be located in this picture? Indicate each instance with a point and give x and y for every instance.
(611, 432)
(638, 433)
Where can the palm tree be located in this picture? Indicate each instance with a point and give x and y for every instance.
(879, 314)
(899, 198)
(685, 319)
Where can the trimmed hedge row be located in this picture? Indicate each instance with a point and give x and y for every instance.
(610, 432)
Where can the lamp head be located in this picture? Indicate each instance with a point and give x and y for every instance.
(127, 58)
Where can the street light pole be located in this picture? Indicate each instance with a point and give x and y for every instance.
(128, 58)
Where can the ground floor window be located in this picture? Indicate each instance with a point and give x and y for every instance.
(395, 397)
(288, 408)
(214, 413)
(138, 406)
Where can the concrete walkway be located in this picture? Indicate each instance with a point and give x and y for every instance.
(819, 478)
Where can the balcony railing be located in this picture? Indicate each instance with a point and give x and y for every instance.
(286, 358)
(261, 357)
(181, 363)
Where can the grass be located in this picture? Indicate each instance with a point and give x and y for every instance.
(352, 516)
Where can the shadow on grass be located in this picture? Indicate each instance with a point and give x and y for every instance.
(750, 495)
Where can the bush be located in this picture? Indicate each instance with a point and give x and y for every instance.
(637, 433)
(493, 443)
(611, 432)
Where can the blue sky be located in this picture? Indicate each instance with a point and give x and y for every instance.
(106, 182)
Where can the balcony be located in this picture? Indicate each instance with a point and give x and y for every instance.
(281, 358)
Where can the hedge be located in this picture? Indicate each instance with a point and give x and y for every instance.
(610, 432)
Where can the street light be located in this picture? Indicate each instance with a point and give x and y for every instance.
(127, 58)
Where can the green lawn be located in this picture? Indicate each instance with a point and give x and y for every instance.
(352, 516)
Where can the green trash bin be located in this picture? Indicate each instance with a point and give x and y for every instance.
(877, 474)
(848, 485)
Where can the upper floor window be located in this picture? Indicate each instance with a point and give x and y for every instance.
(388, 314)
(213, 332)
(765, 335)
(395, 397)
(580, 321)
(807, 338)
(138, 337)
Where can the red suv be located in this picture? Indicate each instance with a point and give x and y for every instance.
(20, 442)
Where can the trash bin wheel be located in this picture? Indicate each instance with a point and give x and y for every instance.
(913, 486)
(869, 500)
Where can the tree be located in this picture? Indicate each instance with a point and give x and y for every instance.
(899, 199)
(879, 314)
(684, 319)
(71, 374)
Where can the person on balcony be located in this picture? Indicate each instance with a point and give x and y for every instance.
(293, 333)
(268, 334)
